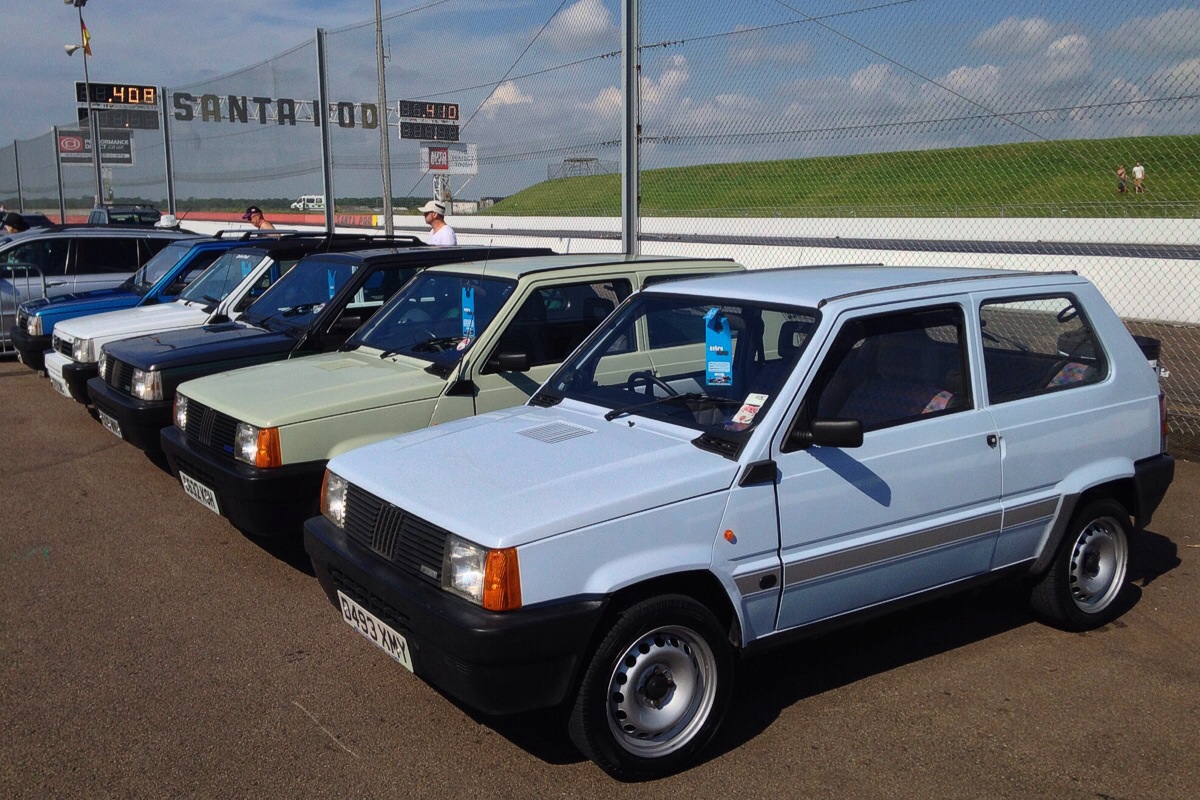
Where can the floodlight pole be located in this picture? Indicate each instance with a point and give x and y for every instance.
(385, 152)
(93, 125)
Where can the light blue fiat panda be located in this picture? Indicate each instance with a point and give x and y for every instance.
(732, 462)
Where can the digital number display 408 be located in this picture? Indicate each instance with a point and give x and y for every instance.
(119, 94)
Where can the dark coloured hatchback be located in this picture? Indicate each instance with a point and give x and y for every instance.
(312, 309)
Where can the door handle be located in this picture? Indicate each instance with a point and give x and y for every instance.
(993, 440)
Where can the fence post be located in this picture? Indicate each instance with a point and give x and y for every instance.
(169, 165)
(17, 164)
(631, 131)
(326, 155)
(62, 198)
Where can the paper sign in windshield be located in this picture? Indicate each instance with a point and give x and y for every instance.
(718, 343)
(744, 418)
(468, 312)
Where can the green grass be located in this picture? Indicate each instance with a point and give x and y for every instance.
(1074, 177)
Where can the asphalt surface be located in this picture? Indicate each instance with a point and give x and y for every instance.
(149, 649)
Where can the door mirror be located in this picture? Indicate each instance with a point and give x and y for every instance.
(827, 433)
(509, 362)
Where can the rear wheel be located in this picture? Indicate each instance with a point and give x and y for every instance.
(655, 690)
(1080, 590)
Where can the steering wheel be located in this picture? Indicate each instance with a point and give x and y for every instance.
(649, 380)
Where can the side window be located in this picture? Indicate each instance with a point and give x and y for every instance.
(106, 254)
(553, 320)
(896, 368)
(1033, 346)
(48, 255)
(201, 262)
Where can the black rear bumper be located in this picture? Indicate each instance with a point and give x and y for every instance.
(497, 663)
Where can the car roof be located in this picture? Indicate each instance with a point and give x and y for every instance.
(359, 256)
(60, 231)
(516, 268)
(814, 287)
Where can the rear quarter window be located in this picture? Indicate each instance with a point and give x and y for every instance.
(1037, 346)
(106, 254)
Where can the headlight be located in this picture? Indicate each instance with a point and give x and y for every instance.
(146, 384)
(82, 351)
(333, 498)
(256, 446)
(489, 578)
(179, 412)
(102, 364)
(33, 325)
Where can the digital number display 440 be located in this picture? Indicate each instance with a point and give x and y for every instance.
(116, 94)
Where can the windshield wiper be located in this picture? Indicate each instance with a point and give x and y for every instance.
(435, 344)
(687, 397)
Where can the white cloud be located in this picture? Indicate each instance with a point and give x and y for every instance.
(506, 94)
(753, 48)
(583, 25)
(1171, 33)
(1015, 36)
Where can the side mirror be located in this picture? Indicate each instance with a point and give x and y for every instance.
(347, 324)
(509, 362)
(828, 433)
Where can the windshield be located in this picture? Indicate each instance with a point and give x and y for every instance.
(163, 261)
(216, 282)
(706, 363)
(298, 296)
(436, 317)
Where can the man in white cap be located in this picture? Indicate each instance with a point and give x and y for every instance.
(439, 232)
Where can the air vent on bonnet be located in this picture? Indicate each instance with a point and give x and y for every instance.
(554, 432)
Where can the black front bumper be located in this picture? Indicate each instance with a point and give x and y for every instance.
(261, 502)
(31, 349)
(77, 376)
(140, 420)
(497, 663)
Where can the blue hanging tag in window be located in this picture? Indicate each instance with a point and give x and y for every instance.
(332, 283)
(468, 312)
(718, 344)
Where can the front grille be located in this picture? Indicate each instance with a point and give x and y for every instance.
(209, 427)
(63, 346)
(22, 319)
(407, 541)
(118, 375)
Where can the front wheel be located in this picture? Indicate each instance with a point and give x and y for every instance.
(655, 690)
(1080, 589)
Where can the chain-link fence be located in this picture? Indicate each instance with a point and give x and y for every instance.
(1035, 135)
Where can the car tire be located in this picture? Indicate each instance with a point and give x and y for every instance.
(675, 658)
(1081, 588)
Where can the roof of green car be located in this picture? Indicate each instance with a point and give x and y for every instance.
(515, 268)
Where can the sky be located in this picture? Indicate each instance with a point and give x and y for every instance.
(538, 81)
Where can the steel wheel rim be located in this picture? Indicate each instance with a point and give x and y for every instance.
(661, 691)
(1098, 564)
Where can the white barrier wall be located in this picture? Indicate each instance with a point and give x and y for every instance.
(1160, 289)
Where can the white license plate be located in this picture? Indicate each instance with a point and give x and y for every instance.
(110, 424)
(60, 386)
(199, 492)
(370, 626)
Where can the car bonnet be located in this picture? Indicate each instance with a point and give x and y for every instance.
(481, 477)
(312, 387)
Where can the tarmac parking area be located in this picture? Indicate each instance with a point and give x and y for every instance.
(148, 649)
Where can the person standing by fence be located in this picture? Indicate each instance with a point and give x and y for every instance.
(1139, 176)
(1121, 185)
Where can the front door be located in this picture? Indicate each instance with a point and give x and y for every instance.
(918, 504)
